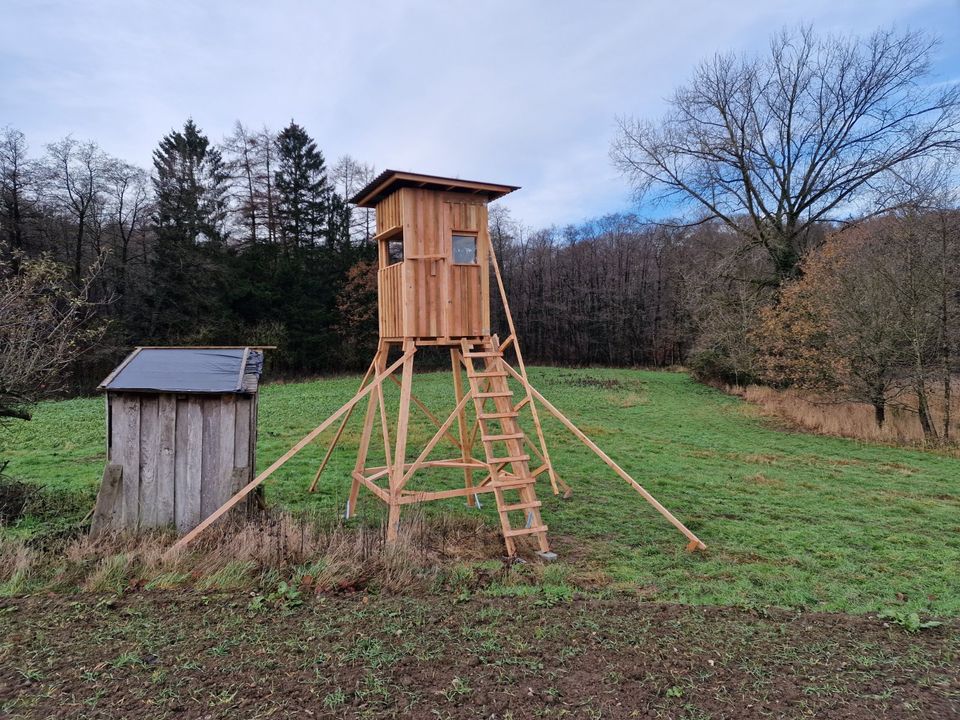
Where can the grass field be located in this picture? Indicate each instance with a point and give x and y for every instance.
(791, 520)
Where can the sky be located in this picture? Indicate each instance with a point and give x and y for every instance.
(521, 92)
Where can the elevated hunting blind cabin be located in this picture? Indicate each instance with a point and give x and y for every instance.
(434, 284)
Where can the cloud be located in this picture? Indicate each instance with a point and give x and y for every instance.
(516, 92)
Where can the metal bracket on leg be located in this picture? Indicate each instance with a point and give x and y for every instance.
(346, 512)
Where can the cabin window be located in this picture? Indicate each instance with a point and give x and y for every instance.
(465, 249)
(395, 251)
(391, 251)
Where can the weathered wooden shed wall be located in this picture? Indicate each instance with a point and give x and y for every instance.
(174, 458)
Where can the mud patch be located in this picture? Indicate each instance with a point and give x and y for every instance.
(163, 655)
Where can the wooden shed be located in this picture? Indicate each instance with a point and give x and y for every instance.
(181, 435)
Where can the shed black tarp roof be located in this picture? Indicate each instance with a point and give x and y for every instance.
(188, 370)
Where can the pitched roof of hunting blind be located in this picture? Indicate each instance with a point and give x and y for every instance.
(188, 370)
(390, 180)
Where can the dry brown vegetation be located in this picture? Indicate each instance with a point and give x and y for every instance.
(851, 419)
(322, 556)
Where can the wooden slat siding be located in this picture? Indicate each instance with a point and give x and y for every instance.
(210, 456)
(166, 462)
(180, 488)
(224, 481)
(409, 299)
(390, 293)
(483, 260)
(420, 243)
(388, 213)
(149, 459)
(190, 502)
(241, 448)
(126, 415)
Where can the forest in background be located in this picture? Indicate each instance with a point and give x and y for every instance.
(817, 246)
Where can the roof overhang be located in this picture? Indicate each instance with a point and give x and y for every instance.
(391, 180)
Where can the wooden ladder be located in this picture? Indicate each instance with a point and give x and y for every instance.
(503, 442)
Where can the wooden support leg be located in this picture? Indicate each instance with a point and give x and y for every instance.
(465, 444)
(400, 453)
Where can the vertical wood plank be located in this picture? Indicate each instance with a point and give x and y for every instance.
(192, 514)
(128, 444)
(181, 452)
(149, 457)
(210, 456)
(228, 428)
(241, 450)
(166, 463)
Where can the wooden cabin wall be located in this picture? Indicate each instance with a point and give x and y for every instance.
(427, 296)
(182, 456)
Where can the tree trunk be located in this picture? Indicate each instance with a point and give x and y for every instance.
(880, 411)
(923, 410)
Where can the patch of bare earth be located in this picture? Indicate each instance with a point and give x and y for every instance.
(190, 655)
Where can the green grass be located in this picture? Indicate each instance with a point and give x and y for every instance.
(790, 519)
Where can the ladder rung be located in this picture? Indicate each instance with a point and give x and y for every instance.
(521, 506)
(498, 438)
(525, 531)
(498, 415)
(491, 373)
(514, 484)
(484, 354)
(505, 460)
(498, 393)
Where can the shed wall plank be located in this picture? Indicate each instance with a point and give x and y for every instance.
(149, 454)
(191, 502)
(181, 488)
(210, 469)
(166, 461)
(241, 450)
(128, 450)
(223, 481)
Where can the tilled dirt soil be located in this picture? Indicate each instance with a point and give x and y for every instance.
(188, 655)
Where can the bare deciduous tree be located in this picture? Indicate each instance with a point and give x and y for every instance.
(76, 177)
(807, 134)
(45, 322)
(348, 177)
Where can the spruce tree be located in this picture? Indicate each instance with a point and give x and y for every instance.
(302, 189)
(190, 184)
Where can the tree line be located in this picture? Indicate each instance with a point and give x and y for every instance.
(245, 241)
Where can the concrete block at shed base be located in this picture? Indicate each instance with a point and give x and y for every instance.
(548, 556)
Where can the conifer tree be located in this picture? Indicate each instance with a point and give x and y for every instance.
(190, 183)
(302, 189)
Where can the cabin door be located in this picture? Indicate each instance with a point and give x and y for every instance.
(464, 245)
